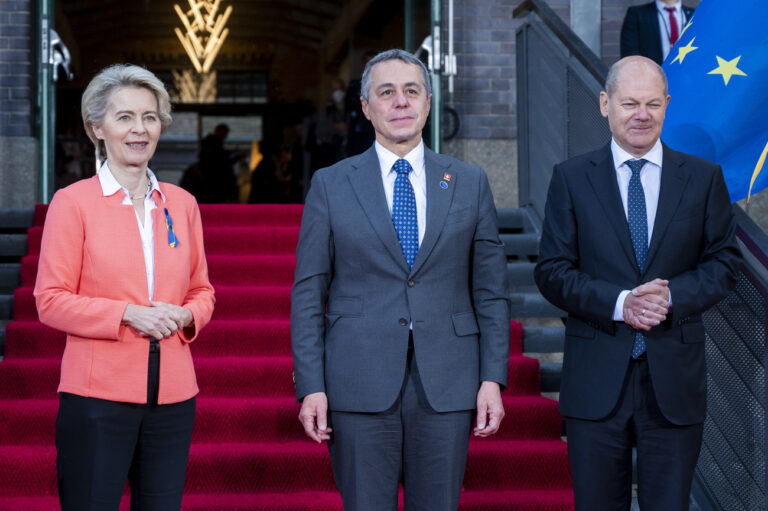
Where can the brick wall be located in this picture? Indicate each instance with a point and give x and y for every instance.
(16, 68)
(484, 42)
(484, 90)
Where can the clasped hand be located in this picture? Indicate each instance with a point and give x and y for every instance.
(159, 320)
(647, 305)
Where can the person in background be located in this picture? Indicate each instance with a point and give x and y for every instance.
(360, 133)
(122, 271)
(326, 140)
(219, 181)
(652, 29)
(275, 180)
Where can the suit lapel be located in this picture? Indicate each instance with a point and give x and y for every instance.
(438, 202)
(365, 179)
(673, 181)
(687, 14)
(606, 186)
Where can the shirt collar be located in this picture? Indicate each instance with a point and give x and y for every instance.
(661, 6)
(620, 156)
(387, 158)
(110, 186)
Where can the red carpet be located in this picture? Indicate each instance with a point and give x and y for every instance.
(248, 450)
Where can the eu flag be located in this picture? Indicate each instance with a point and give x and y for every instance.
(718, 80)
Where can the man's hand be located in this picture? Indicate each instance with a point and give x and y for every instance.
(647, 305)
(658, 287)
(490, 409)
(314, 417)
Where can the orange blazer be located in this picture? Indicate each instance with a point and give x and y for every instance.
(92, 266)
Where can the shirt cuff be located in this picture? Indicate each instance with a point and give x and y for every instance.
(618, 310)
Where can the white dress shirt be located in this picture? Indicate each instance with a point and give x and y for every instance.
(110, 186)
(664, 27)
(650, 177)
(418, 178)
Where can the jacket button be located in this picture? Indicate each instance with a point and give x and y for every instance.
(403, 321)
(411, 283)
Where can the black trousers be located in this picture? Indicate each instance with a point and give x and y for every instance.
(410, 442)
(100, 444)
(600, 453)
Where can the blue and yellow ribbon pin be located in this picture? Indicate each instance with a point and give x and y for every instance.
(172, 239)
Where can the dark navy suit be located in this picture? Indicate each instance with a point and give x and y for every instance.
(640, 33)
(586, 259)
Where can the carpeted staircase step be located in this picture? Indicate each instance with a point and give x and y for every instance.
(232, 302)
(217, 377)
(260, 419)
(224, 214)
(299, 466)
(248, 450)
(475, 500)
(220, 240)
(516, 500)
(227, 270)
(251, 214)
(233, 337)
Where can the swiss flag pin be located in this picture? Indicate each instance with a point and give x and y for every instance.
(446, 177)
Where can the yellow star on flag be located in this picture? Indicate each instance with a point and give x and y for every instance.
(686, 27)
(727, 68)
(684, 50)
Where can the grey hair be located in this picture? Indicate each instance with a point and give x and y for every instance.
(98, 94)
(394, 54)
(612, 80)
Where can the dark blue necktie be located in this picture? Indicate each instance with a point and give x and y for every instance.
(638, 229)
(404, 212)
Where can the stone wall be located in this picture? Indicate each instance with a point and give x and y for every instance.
(18, 147)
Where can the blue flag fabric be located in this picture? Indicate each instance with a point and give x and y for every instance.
(718, 80)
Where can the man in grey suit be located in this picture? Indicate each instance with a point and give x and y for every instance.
(399, 309)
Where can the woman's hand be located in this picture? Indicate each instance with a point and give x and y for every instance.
(160, 320)
(180, 315)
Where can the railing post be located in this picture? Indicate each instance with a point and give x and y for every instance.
(437, 102)
(46, 115)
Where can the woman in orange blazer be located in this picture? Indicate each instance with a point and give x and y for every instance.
(123, 272)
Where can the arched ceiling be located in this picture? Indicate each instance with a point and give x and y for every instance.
(101, 31)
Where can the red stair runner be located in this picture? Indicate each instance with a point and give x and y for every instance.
(248, 450)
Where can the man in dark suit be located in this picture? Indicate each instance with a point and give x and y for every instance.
(637, 242)
(399, 309)
(652, 29)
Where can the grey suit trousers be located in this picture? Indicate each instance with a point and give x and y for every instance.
(367, 453)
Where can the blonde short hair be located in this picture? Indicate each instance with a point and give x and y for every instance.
(97, 96)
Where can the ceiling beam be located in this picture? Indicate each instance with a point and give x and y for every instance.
(352, 12)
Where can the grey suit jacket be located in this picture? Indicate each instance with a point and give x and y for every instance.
(354, 298)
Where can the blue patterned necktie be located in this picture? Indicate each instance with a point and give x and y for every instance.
(638, 229)
(404, 212)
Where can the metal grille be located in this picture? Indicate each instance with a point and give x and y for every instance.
(559, 110)
(587, 128)
(545, 79)
(732, 461)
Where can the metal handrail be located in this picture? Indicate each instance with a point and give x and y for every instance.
(559, 28)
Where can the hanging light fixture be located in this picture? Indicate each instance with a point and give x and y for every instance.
(204, 31)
